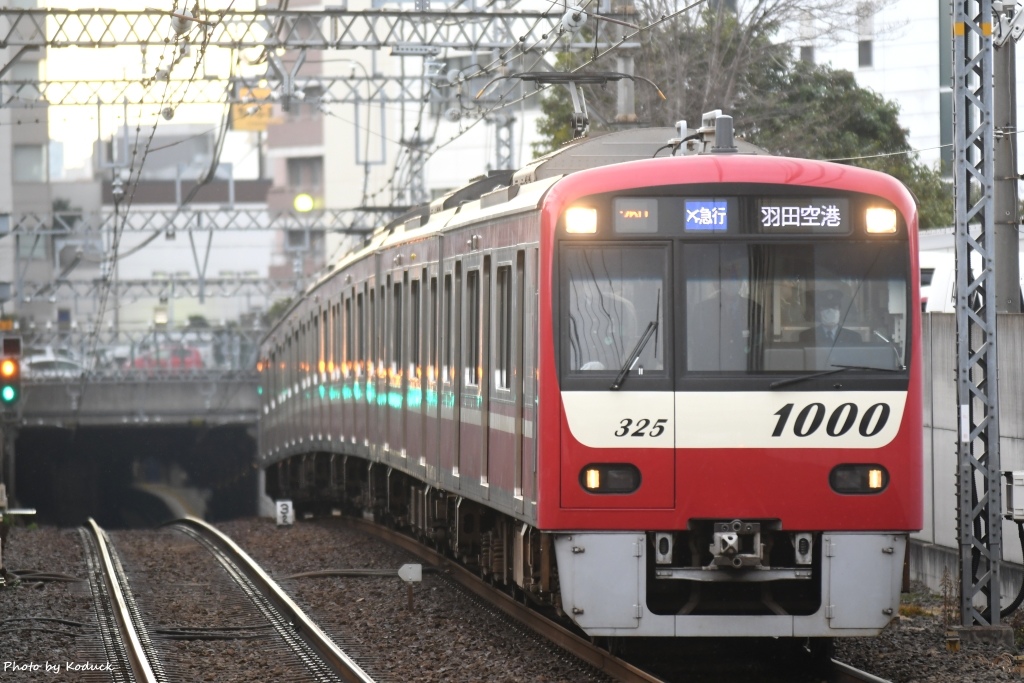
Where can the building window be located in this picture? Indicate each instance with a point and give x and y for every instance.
(305, 171)
(807, 54)
(864, 53)
(29, 164)
(866, 33)
(31, 247)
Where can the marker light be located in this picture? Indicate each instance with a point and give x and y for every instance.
(858, 479)
(880, 220)
(610, 478)
(581, 220)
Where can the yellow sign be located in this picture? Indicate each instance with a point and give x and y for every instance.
(253, 116)
(6, 324)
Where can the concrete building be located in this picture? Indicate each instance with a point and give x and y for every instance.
(24, 141)
(379, 153)
(904, 52)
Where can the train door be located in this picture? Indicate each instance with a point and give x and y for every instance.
(335, 423)
(530, 318)
(307, 362)
(431, 434)
(379, 405)
(450, 406)
(323, 425)
(474, 421)
(415, 380)
(346, 372)
(398, 340)
(504, 465)
(374, 365)
(362, 368)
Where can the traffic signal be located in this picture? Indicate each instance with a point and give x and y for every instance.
(10, 381)
(10, 373)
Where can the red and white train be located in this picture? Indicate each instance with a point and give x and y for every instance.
(668, 389)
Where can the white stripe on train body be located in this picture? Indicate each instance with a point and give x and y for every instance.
(778, 419)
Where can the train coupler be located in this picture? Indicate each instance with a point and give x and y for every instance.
(737, 544)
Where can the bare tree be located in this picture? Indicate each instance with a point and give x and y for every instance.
(717, 54)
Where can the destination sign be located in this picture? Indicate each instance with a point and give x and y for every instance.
(706, 215)
(800, 215)
(635, 215)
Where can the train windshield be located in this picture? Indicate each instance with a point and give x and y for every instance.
(790, 307)
(613, 295)
(738, 308)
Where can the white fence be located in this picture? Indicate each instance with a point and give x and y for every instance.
(938, 548)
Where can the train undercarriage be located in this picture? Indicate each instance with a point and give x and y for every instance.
(502, 550)
(716, 578)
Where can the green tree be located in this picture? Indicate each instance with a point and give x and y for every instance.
(817, 112)
(276, 311)
(719, 59)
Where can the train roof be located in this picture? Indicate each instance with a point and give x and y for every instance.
(507, 191)
(612, 148)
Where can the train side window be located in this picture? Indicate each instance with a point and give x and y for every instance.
(361, 331)
(449, 326)
(382, 323)
(371, 323)
(346, 344)
(433, 331)
(335, 337)
(396, 324)
(325, 343)
(503, 331)
(415, 331)
(473, 323)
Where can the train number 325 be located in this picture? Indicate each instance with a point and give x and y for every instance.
(643, 427)
(841, 421)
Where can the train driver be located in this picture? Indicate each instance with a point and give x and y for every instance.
(829, 331)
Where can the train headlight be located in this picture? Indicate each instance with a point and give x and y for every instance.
(581, 220)
(610, 478)
(880, 220)
(858, 479)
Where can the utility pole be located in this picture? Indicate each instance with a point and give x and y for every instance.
(1005, 196)
(979, 479)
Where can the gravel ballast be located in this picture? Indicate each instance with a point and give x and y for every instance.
(446, 636)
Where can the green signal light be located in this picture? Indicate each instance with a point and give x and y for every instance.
(8, 394)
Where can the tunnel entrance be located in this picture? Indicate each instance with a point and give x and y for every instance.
(130, 477)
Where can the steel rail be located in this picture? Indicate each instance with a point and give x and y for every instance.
(137, 658)
(586, 651)
(343, 665)
(844, 673)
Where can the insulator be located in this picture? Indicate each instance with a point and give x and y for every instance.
(573, 19)
(181, 24)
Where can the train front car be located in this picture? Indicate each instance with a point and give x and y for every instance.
(735, 352)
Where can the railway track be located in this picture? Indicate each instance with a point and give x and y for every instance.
(313, 646)
(596, 656)
(269, 615)
(844, 673)
(133, 655)
(124, 636)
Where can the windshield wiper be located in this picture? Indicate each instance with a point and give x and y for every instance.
(634, 356)
(833, 369)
